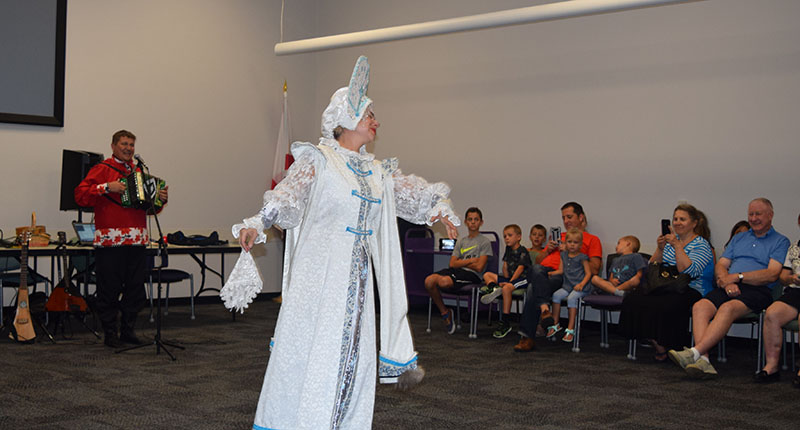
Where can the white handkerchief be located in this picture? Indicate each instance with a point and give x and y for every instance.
(244, 284)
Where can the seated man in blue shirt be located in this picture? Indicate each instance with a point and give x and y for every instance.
(745, 275)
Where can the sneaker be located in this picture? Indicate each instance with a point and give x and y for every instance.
(489, 298)
(683, 358)
(502, 331)
(488, 288)
(525, 344)
(701, 369)
(450, 321)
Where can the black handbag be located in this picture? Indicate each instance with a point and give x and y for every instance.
(665, 279)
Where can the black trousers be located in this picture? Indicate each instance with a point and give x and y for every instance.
(540, 291)
(120, 283)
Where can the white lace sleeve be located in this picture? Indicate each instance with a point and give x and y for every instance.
(285, 204)
(418, 201)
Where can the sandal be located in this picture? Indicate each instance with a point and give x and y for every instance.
(569, 335)
(553, 330)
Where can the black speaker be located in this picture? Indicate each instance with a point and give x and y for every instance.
(74, 167)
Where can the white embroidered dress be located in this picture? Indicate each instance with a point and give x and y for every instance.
(339, 209)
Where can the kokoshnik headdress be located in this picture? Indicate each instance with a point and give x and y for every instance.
(349, 103)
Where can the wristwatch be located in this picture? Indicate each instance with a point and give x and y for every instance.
(741, 276)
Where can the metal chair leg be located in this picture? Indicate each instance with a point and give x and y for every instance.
(722, 355)
(191, 288)
(473, 314)
(458, 312)
(576, 347)
(632, 349)
(604, 329)
(430, 305)
(786, 344)
(759, 362)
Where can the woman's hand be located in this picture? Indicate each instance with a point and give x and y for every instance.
(661, 241)
(672, 240)
(551, 246)
(452, 232)
(247, 237)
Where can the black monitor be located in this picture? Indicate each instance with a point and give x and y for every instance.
(74, 167)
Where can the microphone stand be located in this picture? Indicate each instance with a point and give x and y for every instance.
(162, 254)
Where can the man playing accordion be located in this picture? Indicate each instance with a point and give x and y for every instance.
(120, 240)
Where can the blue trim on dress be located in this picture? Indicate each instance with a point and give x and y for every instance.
(358, 171)
(395, 363)
(366, 198)
(255, 427)
(359, 232)
(392, 369)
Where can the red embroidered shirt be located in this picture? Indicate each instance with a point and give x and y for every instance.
(115, 225)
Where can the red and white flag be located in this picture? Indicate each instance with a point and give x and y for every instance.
(283, 159)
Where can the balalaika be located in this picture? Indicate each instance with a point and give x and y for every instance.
(140, 189)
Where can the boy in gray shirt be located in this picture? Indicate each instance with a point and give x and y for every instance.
(467, 263)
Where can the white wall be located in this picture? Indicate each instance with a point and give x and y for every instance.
(626, 113)
(198, 84)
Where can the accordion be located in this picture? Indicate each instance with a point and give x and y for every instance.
(140, 190)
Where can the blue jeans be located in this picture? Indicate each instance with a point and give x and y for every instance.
(573, 297)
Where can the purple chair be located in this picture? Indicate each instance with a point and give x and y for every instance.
(470, 290)
(606, 304)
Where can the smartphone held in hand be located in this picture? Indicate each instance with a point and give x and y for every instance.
(555, 234)
(665, 227)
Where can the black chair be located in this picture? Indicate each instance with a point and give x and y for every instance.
(10, 278)
(168, 276)
(84, 272)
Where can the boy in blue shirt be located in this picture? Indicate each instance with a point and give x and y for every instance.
(626, 270)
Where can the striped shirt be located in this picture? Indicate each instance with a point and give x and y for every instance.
(699, 252)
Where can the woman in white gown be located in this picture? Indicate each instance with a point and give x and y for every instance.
(339, 207)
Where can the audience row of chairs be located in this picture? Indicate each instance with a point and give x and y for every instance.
(606, 305)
